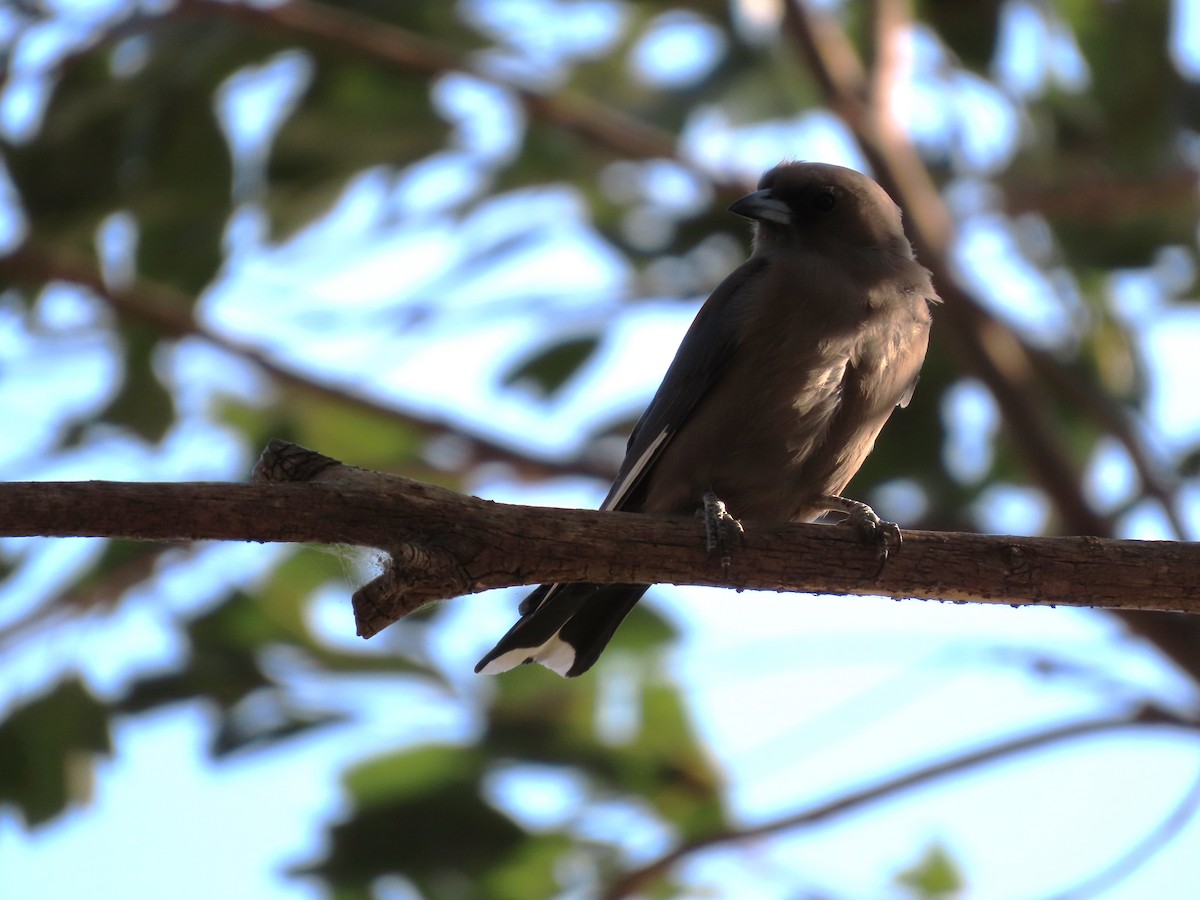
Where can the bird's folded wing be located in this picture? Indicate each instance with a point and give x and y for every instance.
(706, 348)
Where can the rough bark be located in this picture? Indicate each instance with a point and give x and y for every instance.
(443, 544)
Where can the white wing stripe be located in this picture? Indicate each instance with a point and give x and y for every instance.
(635, 472)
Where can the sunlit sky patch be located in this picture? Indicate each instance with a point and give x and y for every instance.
(676, 49)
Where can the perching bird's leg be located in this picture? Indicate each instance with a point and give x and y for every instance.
(718, 523)
(871, 529)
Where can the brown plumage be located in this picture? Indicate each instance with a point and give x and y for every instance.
(776, 394)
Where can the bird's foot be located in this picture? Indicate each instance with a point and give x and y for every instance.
(718, 525)
(873, 531)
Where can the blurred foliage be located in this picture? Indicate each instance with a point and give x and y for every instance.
(548, 370)
(400, 826)
(933, 877)
(47, 747)
(136, 124)
(147, 143)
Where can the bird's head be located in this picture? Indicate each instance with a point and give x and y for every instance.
(818, 205)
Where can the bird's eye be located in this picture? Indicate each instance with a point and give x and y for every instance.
(824, 201)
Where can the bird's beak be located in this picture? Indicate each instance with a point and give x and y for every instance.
(762, 207)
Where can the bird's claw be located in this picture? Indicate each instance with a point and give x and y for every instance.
(718, 523)
(873, 531)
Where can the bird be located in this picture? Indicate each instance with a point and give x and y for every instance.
(774, 398)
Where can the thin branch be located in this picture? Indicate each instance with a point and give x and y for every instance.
(986, 346)
(638, 878)
(892, 21)
(1141, 852)
(1156, 483)
(983, 345)
(1102, 201)
(391, 46)
(168, 312)
(95, 595)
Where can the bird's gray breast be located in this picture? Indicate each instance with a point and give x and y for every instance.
(798, 403)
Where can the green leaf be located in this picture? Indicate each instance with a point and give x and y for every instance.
(284, 600)
(416, 773)
(660, 762)
(227, 645)
(142, 403)
(968, 27)
(351, 433)
(1142, 99)
(147, 142)
(263, 719)
(355, 115)
(549, 369)
(935, 876)
(1189, 465)
(551, 154)
(222, 665)
(531, 870)
(644, 632)
(420, 814)
(46, 751)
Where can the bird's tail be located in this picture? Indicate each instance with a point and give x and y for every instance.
(564, 627)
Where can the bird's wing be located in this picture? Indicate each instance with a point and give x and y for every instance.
(565, 626)
(881, 377)
(922, 318)
(703, 353)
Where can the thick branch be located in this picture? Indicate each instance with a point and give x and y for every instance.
(443, 544)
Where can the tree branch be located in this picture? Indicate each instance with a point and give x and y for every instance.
(886, 789)
(443, 544)
(1141, 852)
(393, 47)
(168, 312)
(983, 345)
